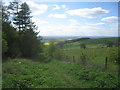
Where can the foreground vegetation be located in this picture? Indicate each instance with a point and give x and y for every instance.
(56, 67)
(23, 73)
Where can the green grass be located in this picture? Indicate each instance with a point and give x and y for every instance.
(96, 56)
(23, 73)
(95, 53)
(91, 42)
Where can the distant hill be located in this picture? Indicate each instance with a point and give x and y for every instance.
(72, 40)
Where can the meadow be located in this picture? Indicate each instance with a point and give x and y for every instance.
(66, 68)
(23, 73)
(96, 52)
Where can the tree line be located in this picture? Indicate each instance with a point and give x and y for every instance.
(19, 36)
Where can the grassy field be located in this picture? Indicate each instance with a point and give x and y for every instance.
(65, 73)
(96, 53)
(23, 73)
(95, 56)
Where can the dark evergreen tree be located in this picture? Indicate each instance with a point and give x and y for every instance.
(20, 39)
(10, 36)
(29, 43)
(14, 8)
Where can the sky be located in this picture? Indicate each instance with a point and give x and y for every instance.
(75, 18)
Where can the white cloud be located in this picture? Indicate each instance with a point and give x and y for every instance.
(56, 7)
(58, 15)
(76, 28)
(73, 30)
(96, 24)
(88, 13)
(74, 22)
(36, 8)
(63, 6)
(110, 19)
(6, 3)
(39, 21)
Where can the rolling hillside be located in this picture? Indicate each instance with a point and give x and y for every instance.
(23, 73)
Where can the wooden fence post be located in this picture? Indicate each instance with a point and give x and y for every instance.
(106, 61)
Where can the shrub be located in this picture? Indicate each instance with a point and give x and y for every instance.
(109, 44)
(106, 80)
(113, 54)
(59, 54)
(42, 57)
(83, 57)
(83, 46)
(51, 49)
(54, 51)
(4, 46)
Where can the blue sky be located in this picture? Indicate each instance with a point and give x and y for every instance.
(75, 18)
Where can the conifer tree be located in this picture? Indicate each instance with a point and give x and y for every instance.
(29, 43)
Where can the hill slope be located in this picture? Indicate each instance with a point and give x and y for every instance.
(23, 73)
